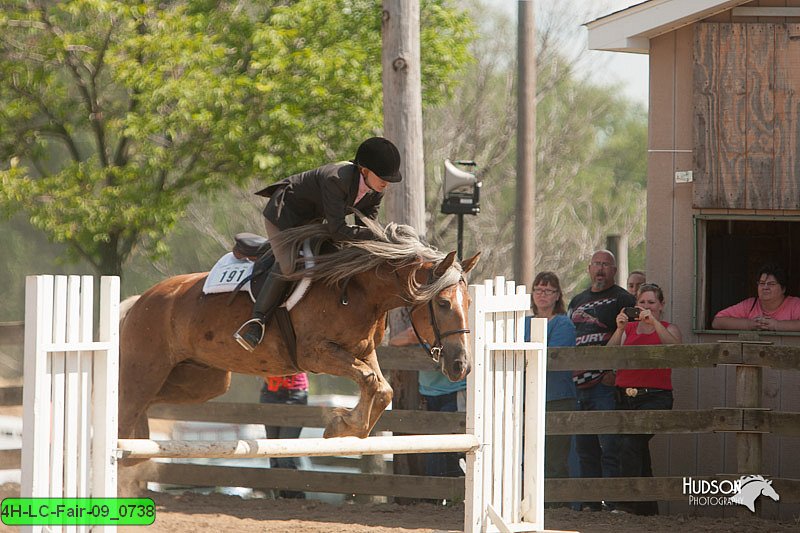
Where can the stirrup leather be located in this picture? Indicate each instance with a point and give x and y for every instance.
(244, 343)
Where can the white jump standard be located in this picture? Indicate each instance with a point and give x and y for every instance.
(70, 404)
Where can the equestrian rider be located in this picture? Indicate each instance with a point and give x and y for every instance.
(323, 194)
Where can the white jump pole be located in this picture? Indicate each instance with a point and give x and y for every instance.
(150, 449)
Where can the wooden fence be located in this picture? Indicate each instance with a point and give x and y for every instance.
(746, 418)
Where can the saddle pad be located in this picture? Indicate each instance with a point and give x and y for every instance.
(227, 274)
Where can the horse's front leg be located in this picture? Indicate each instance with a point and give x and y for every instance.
(376, 393)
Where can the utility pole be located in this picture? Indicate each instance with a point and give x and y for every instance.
(402, 110)
(524, 241)
(618, 245)
(402, 118)
(405, 201)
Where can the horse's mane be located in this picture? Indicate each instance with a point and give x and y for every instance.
(747, 479)
(397, 245)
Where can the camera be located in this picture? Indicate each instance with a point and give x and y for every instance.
(631, 312)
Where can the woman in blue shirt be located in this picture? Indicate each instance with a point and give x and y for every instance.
(548, 302)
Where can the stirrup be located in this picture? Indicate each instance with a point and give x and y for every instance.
(246, 341)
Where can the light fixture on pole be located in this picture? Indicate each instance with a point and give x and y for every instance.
(462, 194)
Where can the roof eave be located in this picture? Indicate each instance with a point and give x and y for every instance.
(630, 30)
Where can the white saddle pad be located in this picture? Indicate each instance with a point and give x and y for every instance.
(228, 272)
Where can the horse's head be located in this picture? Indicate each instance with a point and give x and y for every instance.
(442, 323)
(769, 491)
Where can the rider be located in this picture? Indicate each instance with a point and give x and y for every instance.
(325, 193)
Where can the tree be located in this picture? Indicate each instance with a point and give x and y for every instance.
(115, 115)
(591, 153)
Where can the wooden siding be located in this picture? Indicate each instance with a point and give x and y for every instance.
(746, 82)
(671, 240)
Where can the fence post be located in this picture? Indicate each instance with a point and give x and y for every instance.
(36, 386)
(748, 395)
(68, 380)
(106, 392)
(473, 482)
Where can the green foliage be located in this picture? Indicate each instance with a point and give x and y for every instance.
(114, 116)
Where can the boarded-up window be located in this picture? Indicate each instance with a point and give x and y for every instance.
(747, 116)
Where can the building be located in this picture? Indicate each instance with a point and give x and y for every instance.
(723, 193)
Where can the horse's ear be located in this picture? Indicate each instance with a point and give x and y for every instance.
(444, 264)
(470, 263)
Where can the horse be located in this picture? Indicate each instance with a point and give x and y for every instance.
(177, 345)
(751, 488)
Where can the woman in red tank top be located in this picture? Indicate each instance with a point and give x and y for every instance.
(638, 389)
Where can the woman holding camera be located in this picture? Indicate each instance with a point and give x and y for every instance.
(640, 389)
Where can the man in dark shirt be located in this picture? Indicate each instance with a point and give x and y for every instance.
(594, 313)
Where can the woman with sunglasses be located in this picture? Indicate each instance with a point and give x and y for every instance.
(642, 388)
(772, 310)
(548, 302)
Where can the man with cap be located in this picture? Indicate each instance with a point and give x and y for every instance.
(323, 194)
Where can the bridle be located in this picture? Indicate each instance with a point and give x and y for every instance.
(435, 350)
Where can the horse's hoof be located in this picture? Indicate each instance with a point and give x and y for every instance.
(338, 427)
(335, 428)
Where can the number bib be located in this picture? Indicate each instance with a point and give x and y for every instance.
(227, 274)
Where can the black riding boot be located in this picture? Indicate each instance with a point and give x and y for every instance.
(269, 298)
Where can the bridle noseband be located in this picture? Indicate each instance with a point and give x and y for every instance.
(434, 351)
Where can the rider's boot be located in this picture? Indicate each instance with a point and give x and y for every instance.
(251, 333)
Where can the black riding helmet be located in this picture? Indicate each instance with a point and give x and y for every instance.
(381, 157)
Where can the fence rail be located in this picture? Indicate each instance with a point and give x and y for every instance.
(750, 422)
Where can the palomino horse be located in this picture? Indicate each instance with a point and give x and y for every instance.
(176, 343)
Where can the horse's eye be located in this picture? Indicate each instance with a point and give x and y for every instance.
(443, 304)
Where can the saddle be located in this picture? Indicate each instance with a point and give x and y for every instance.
(258, 250)
(250, 246)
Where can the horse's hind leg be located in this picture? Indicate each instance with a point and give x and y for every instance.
(191, 382)
(139, 383)
(376, 393)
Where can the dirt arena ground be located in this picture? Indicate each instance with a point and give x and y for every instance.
(195, 513)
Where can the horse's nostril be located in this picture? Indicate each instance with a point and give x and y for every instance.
(458, 368)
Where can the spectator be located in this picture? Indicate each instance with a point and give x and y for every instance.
(548, 302)
(594, 313)
(642, 388)
(773, 310)
(440, 394)
(290, 390)
(635, 280)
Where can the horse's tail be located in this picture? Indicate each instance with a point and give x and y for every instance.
(126, 305)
